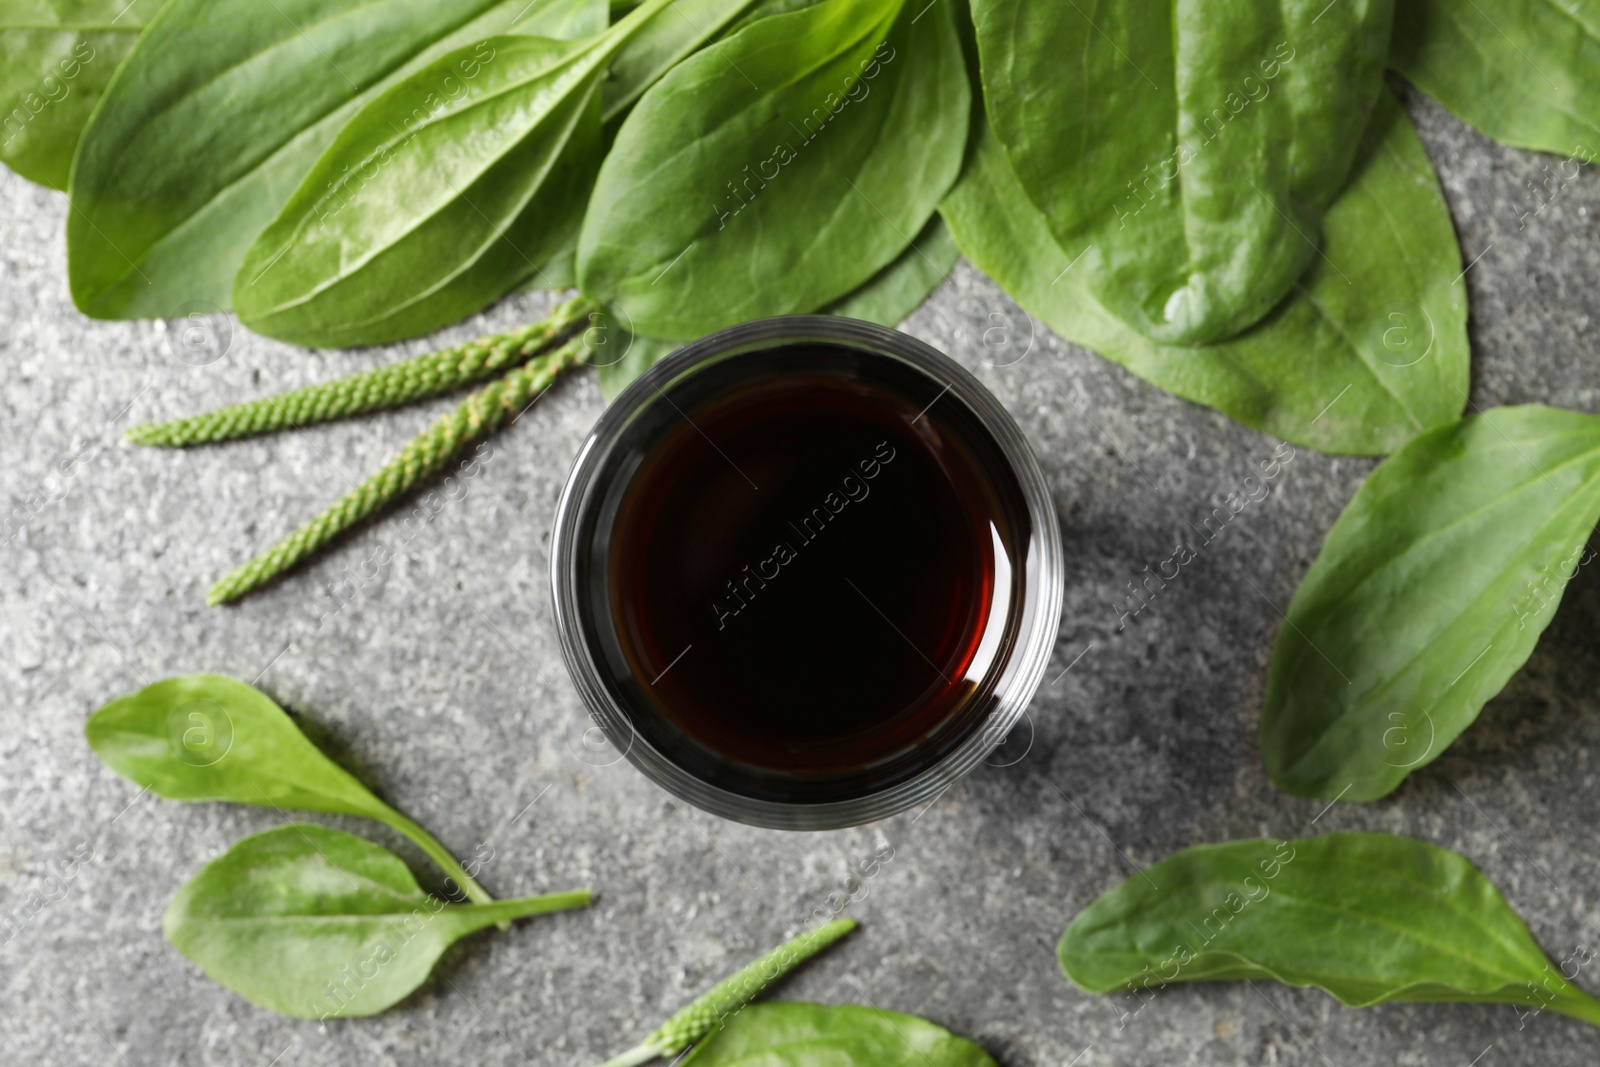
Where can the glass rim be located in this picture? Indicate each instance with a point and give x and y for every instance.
(1017, 676)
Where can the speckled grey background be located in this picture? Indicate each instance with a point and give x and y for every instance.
(438, 677)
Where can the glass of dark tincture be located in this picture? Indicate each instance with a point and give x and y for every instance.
(807, 572)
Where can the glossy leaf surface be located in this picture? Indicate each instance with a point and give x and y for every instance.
(1369, 349)
(671, 35)
(780, 169)
(219, 113)
(418, 215)
(794, 1034)
(1525, 72)
(1429, 593)
(315, 922)
(1187, 149)
(1369, 918)
(56, 57)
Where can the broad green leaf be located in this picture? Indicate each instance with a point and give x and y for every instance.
(221, 110)
(56, 57)
(318, 923)
(900, 288)
(1369, 918)
(1525, 72)
(885, 298)
(1430, 592)
(417, 216)
(1369, 349)
(209, 737)
(779, 169)
(1187, 150)
(795, 1034)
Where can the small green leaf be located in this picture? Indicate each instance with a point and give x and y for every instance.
(318, 923)
(1525, 72)
(778, 169)
(1430, 592)
(795, 1034)
(900, 288)
(219, 113)
(1369, 349)
(1369, 918)
(1186, 149)
(208, 737)
(56, 57)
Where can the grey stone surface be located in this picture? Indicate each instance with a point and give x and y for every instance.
(441, 680)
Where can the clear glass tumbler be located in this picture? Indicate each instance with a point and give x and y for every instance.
(622, 698)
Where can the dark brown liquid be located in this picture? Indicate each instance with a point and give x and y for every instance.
(810, 574)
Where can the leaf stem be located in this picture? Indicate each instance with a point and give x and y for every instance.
(1578, 1005)
(435, 851)
(707, 1011)
(520, 907)
(391, 386)
(426, 455)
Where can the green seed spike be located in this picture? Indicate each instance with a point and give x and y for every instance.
(426, 455)
(397, 384)
(707, 1011)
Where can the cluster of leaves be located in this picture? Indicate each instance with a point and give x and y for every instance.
(287, 915)
(1222, 198)
(318, 923)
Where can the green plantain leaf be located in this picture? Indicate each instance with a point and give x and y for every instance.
(416, 215)
(56, 57)
(318, 923)
(794, 1034)
(779, 169)
(1525, 72)
(222, 109)
(1369, 349)
(885, 298)
(209, 737)
(1369, 918)
(422, 212)
(900, 288)
(1187, 149)
(1430, 592)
